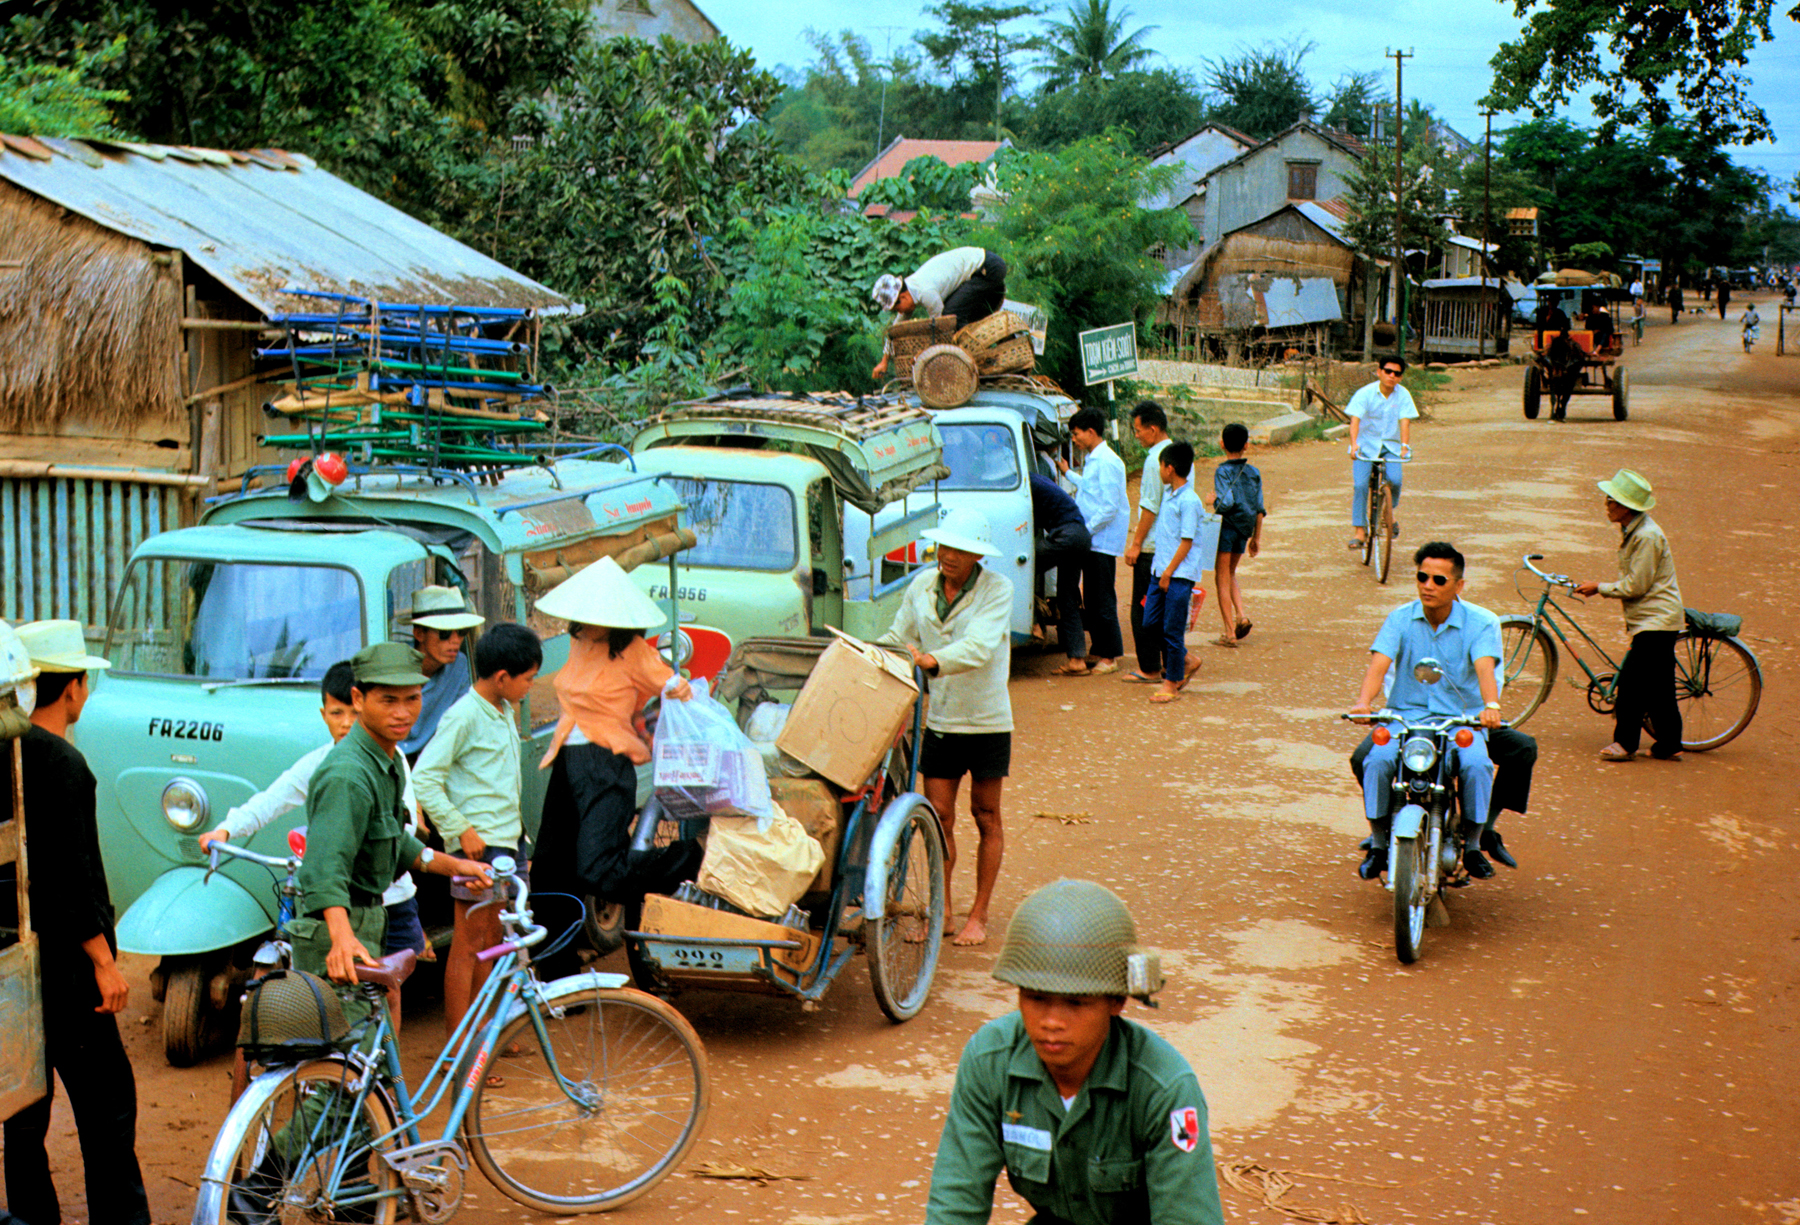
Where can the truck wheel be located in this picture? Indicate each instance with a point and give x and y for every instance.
(1533, 392)
(186, 1013)
(1621, 395)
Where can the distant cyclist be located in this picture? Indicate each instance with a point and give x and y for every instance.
(1381, 416)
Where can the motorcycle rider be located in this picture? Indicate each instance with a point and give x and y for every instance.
(1094, 1118)
(1465, 640)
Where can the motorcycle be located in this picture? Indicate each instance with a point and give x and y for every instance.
(1425, 839)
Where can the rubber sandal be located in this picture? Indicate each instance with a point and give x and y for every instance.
(1613, 752)
(1354, 544)
(1069, 669)
(1163, 699)
(1225, 640)
(1134, 677)
(1103, 669)
(1243, 628)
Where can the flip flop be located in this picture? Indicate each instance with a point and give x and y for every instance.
(1225, 640)
(1103, 669)
(1163, 699)
(1243, 628)
(1613, 752)
(1353, 544)
(1134, 677)
(1069, 669)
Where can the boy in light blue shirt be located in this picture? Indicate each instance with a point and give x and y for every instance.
(1178, 567)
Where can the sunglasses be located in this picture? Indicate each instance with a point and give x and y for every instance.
(1442, 580)
(1395, 373)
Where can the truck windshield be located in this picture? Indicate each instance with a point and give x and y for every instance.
(979, 457)
(234, 620)
(740, 526)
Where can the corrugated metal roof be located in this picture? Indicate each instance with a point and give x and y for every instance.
(263, 220)
(1327, 220)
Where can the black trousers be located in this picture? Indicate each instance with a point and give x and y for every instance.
(584, 845)
(1100, 604)
(1513, 753)
(82, 1048)
(1064, 551)
(1147, 639)
(1647, 690)
(979, 296)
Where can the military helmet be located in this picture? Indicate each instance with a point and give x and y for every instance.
(290, 1016)
(1073, 937)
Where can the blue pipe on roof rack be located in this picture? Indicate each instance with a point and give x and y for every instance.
(488, 312)
(441, 341)
(379, 381)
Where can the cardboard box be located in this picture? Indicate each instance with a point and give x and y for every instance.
(853, 706)
(667, 917)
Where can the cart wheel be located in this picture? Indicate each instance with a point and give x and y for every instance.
(605, 923)
(1534, 390)
(1621, 395)
(906, 870)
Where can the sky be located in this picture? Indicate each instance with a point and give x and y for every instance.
(1452, 41)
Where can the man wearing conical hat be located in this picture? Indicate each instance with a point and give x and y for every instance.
(1654, 618)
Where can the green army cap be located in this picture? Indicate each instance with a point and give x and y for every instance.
(387, 663)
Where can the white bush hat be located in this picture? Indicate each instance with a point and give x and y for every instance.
(1628, 488)
(58, 646)
(602, 594)
(888, 288)
(443, 608)
(964, 529)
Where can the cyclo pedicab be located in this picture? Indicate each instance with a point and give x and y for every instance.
(880, 887)
(1580, 362)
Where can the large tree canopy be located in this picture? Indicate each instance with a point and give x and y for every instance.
(1091, 43)
(1261, 90)
(1633, 51)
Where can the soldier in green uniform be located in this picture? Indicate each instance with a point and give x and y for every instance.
(1096, 1120)
(356, 839)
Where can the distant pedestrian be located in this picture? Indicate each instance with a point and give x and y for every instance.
(1675, 302)
(82, 989)
(1151, 427)
(1706, 287)
(1654, 618)
(1100, 492)
(1724, 298)
(1063, 542)
(1179, 564)
(1238, 501)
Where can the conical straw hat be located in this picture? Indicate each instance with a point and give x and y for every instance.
(602, 594)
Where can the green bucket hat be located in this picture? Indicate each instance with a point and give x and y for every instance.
(387, 663)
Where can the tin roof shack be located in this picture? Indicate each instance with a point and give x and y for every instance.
(1194, 157)
(136, 282)
(1305, 162)
(1277, 283)
(1466, 317)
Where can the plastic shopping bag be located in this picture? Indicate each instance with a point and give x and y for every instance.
(761, 871)
(703, 766)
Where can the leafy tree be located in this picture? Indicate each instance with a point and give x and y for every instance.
(927, 182)
(1091, 43)
(850, 104)
(1160, 106)
(1350, 103)
(1370, 229)
(1260, 91)
(1078, 243)
(58, 99)
(1629, 50)
(976, 49)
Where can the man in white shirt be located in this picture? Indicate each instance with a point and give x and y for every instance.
(1100, 493)
(967, 283)
(1381, 416)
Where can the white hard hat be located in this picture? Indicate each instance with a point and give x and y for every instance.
(965, 529)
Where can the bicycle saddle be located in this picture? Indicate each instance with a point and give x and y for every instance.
(394, 969)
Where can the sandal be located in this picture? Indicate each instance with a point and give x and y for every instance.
(1193, 666)
(1225, 640)
(1134, 677)
(1163, 699)
(1106, 669)
(1613, 752)
(1071, 669)
(1243, 628)
(1354, 543)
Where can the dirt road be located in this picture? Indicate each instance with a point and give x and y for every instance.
(1608, 1033)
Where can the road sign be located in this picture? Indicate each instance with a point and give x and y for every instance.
(1109, 353)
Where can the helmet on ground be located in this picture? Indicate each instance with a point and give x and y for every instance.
(1073, 937)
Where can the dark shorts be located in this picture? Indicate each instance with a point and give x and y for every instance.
(463, 893)
(404, 931)
(1230, 541)
(980, 755)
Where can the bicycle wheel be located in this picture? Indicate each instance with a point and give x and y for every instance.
(903, 944)
(277, 1158)
(1718, 686)
(1381, 529)
(1369, 516)
(1528, 668)
(601, 1113)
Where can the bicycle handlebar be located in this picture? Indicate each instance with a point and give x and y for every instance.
(533, 935)
(1560, 580)
(289, 863)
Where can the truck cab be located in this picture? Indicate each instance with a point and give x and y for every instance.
(774, 488)
(219, 636)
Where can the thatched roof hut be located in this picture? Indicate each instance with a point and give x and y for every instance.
(136, 282)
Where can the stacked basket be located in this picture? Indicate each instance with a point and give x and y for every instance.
(1000, 344)
(945, 367)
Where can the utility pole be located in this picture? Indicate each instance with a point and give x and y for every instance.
(1399, 179)
(999, 81)
(1487, 211)
(881, 125)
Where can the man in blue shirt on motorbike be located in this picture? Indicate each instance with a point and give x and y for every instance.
(1464, 639)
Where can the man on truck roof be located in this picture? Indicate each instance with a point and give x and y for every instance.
(967, 283)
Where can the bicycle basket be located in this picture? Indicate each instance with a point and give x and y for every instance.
(290, 1016)
(1713, 625)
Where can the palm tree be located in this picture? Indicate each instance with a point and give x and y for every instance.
(1091, 43)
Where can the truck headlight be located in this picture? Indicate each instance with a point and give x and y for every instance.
(677, 649)
(185, 806)
(1418, 754)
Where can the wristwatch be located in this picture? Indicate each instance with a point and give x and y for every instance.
(1493, 706)
(426, 856)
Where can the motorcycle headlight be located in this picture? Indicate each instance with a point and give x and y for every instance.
(677, 649)
(185, 805)
(1418, 754)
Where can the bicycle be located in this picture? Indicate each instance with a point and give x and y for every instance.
(605, 1091)
(1379, 527)
(1718, 682)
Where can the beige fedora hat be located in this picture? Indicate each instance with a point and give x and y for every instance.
(966, 529)
(602, 594)
(443, 608)
(1628, 488)
(58, 646)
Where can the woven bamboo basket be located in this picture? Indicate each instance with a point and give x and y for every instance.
(911, 337)
(945, 376)
(1011, 356)
(986, 333)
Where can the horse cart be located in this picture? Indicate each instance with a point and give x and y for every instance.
(880, 890)
(1581, 361)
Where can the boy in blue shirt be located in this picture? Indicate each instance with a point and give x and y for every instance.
(1178, 565)
(1237, 500)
